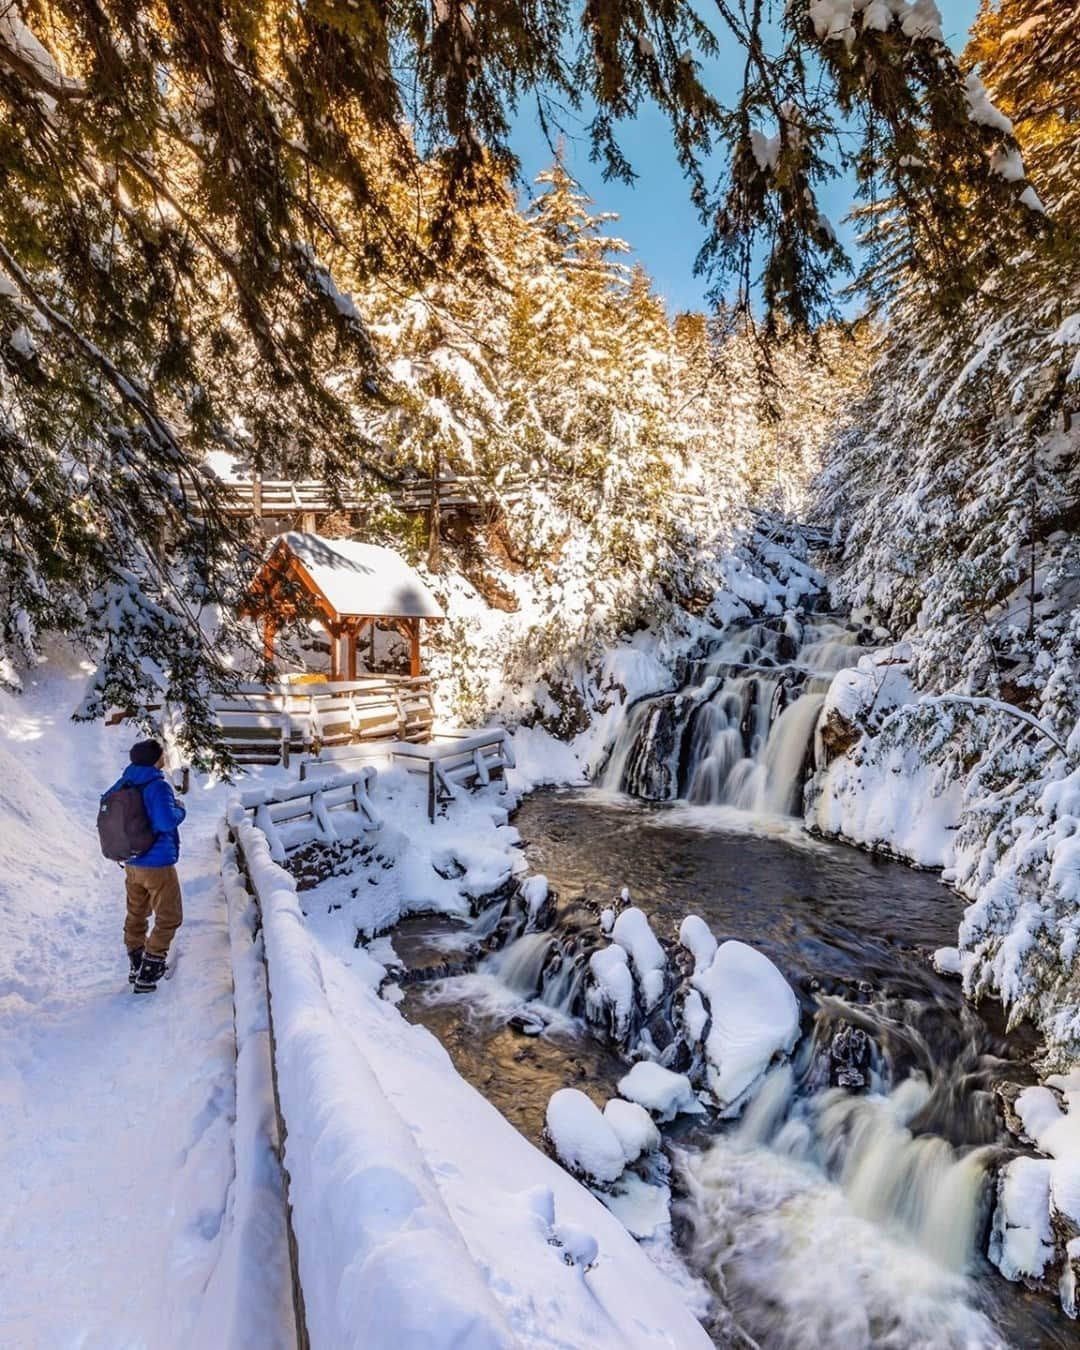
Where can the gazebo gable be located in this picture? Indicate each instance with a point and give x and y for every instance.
(349, 586)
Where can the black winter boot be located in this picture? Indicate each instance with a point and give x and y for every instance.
(150, 971)
(135, 955)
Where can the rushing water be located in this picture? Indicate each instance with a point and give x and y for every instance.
(824, 1217)
(848, 1206)
(740, 731)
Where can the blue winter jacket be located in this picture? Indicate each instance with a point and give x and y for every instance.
(165, 814)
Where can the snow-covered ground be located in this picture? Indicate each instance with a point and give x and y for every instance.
(148, 1209)
(117, 1113)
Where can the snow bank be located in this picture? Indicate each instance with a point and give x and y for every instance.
(1037, 1219)
(423, 1219)
(755, 1016)
(248, 1298)
(1022, 1244)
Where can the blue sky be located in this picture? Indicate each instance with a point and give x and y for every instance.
(655, 215)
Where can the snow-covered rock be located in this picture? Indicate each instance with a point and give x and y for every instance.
(696, 936)
(534, 891)
(633, 932)
(695, 1016)
(1022, 1242)
(613, 987)
(583, 1140)
(634, 1127)
(661, 1092)
(755, 1016)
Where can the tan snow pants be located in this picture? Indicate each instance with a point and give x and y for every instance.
(152, 890)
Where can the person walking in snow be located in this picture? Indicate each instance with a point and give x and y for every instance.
(150, 877)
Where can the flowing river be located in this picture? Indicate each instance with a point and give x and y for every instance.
(837, 1212)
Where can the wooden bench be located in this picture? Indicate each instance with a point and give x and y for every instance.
(283, 804)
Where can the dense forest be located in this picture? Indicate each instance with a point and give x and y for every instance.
(233, 237)
(654, 855)
(245, 228)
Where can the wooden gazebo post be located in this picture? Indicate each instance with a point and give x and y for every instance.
(414, 648)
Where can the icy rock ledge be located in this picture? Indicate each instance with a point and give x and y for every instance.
(1036, 1228)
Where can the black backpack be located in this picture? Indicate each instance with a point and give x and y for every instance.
(123, 825)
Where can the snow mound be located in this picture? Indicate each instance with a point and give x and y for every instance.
(633, 932)
(695, 1016)
(696, 936)
(1022, 1242)
(755, 1016)
(535, 891)
(660, 1091)
(634, 1127)
(614, 986)
(584, 1142)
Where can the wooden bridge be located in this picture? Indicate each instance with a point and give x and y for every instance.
(306, 501)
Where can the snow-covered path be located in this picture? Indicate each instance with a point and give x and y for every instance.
(116, 1112)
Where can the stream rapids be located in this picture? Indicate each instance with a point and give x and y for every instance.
(849, 1204)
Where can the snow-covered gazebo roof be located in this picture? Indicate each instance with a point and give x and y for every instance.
(348, 583)
(358, 579)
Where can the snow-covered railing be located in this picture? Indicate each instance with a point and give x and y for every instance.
(263, 1237)
(262, 722)
(371, 1235)
(288, 497)
(457, 759)
(289, 802)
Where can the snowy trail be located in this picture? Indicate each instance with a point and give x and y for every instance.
(116, 1112)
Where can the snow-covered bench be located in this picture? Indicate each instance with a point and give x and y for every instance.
(314, 801)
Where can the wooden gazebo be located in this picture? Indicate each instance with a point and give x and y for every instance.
(349, 586)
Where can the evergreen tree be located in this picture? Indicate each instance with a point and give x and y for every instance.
(185, 187)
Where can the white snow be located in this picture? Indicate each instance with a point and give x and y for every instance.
(660, 1091)
(695, 1015)
(947, 961)
(633, 1126)
(400, 1169)
(755, 1017)
(633, 932)
(1022, 1241)
(582, 1138)
(361, 578)
(696, 936)
(615, 984)
(535, 891)
(641, 1207)
(141, 1193)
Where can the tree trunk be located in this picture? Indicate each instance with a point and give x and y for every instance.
(434, 551)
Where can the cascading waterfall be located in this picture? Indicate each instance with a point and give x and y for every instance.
(740, 733)
(898, 1208)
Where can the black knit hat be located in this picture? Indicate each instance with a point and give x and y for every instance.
(146, 753)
